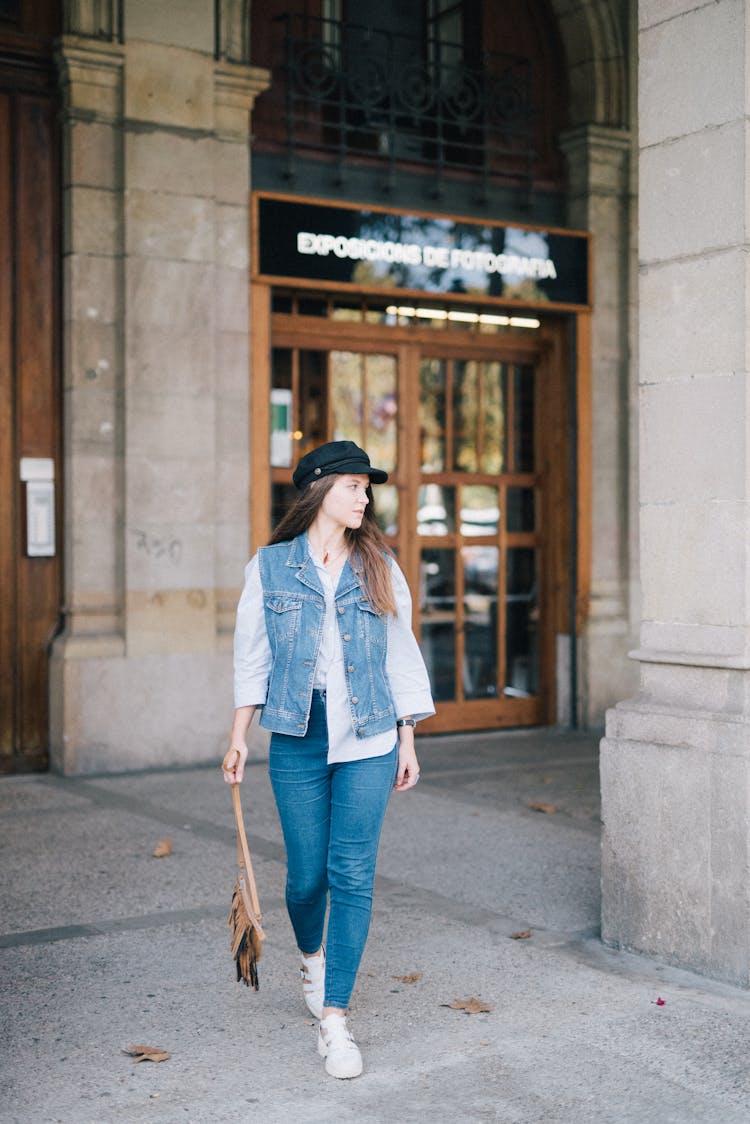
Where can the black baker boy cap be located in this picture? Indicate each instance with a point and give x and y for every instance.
(336, 457)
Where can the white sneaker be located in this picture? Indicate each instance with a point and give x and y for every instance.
(313, 973)
(339, 1049)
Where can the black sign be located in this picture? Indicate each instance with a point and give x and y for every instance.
(391, 251)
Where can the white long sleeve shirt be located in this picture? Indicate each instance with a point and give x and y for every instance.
(405, 669)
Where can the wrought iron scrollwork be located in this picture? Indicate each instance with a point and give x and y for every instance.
(360, 92)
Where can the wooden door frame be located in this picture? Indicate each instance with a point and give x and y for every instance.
(31, 398)
(551, 346)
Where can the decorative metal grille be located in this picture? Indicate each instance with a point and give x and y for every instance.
(357, 91)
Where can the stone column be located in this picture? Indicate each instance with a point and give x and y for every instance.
(157, 415)
(91, 82)
(600, 201)
(675, 777)
(235, 87)
(91, 79)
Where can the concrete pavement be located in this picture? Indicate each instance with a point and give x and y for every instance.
(104, 946)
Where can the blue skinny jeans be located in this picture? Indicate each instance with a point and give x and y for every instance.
(331, 816)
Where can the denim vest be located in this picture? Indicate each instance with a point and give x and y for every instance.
(294, 605)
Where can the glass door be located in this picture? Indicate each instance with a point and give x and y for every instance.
(468, 510)
(334, 394)
(479, 553)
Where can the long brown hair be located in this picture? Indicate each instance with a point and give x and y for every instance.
(368, 549)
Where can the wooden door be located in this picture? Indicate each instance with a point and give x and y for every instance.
(30, 586)
(473, 432)
(477, 565)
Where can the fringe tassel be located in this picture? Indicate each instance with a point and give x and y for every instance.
(246, 938)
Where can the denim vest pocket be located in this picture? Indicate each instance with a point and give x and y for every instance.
(371, 625)
(283, 615)
(283, 602)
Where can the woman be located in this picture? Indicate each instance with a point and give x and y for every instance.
(323, 644)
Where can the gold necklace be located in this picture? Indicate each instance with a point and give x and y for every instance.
(327, 558)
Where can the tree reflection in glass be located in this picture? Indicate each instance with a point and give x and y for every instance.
(480, 565)
(465, 415)
(381, 391)
(346, 377)
(480, 510)
(523, 429)
(437, 609)
(521, 619)
(386, 508)
(436, 510)
(432, 414)
(492, 455)
(364, 402)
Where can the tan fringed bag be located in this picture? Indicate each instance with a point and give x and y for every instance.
(244, 915)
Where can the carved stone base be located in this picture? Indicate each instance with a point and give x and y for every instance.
(676, 849)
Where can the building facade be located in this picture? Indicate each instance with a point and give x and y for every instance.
(199, 357)
(235, 230)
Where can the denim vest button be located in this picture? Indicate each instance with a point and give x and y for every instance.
(360, 731)
(341, 608)
(347, 636)
(355, 699)
(350, 668)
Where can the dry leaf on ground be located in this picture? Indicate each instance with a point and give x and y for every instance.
(163, 848)
(408, 979)
(470, 1006)
(521, 935)
(147, 1053)
(541, 806)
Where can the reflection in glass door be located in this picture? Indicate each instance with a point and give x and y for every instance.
(333, 395)
(477, 527)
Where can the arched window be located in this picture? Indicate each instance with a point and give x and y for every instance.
(446, 89)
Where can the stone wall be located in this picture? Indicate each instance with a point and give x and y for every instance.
(600, 201)
(675, 777)
(157, 379)
(156, 391)
(600, 149)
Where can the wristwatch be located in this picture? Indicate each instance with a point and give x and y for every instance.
(406, 722)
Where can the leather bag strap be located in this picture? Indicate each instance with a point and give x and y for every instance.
(248, 888)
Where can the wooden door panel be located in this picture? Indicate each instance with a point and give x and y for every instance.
(7, 445)
(480, 629)
(30, 588)
(37, 397)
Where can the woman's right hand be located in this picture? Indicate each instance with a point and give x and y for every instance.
(233, 765)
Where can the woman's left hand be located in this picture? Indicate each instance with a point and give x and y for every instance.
(408, 766)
